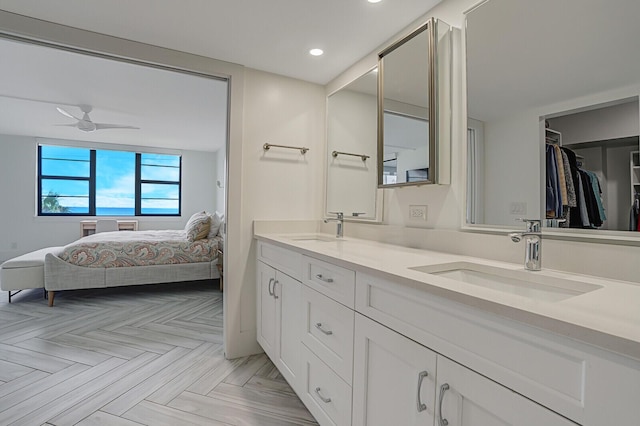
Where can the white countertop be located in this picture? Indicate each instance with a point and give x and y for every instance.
(608, 317)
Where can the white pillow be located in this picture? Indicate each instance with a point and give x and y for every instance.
(198, 226)
(214, 226)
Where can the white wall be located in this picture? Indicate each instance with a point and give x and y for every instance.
(21, 225)
(221, 179)
(275, 184)
(613, 122)
(410, 160)
(511, 148)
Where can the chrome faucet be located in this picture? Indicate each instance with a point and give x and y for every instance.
(339, 222)
(533, 249)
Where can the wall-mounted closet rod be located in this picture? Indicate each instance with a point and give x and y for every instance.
(302, 149)
(362, 156)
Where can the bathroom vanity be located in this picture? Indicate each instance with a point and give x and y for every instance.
(374, 334)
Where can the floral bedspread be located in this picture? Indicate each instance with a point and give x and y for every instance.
(138, 248)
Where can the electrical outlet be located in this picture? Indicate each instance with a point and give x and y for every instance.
(418, 212)
(518, 208)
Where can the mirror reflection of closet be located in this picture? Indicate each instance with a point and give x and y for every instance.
(528, 62)
(351, 150)
(603, 139)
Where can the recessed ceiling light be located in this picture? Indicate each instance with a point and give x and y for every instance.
(316, 52)
(374, 1)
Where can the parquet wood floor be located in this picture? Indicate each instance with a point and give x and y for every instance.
(146, 355)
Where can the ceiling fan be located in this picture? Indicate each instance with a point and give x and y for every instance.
(86, 125)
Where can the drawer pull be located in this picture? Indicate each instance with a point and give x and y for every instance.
(325, 400)
(275, 296)
(271, 280)
(421, 405)
(443, 389)
(326, 280)
(319, 327)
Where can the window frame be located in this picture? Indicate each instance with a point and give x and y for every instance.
(92, 183)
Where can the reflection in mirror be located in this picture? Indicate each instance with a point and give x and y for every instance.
(538, 98)
(405, 103)
(351, 153)
(408, 99)
(600, 147)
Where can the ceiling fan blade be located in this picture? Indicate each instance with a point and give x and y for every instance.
(66, 114)
(100, 126)
(67, 125)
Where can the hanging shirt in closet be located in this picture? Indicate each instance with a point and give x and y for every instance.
(578, 216)
(562, 184)
(553, 197)
(597, 191)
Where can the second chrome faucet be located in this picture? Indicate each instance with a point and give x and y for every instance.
(339, 219)
(533, 240)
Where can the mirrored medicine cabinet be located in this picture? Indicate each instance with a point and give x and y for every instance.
(561, 77)
(414, 118)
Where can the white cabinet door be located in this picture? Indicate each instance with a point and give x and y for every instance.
(279, 316)
(393, 378)
(266, 309)
(465, 398)
(289, 324)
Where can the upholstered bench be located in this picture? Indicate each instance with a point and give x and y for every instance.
(24, 272)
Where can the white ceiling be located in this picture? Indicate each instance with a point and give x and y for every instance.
(173, 110)
(176, 110)
(272, 36)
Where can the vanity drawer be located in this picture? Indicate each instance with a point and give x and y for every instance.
(280, 258)
(328, 331)
(325, 394)
(331, 280)
(533, 363)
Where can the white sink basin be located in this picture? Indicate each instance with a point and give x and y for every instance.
(529, 284)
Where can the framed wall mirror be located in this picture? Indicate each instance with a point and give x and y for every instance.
(552, 106)
(412, 83)
(351, 150)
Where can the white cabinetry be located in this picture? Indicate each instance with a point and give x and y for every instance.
(393, 379)
(362, 348)
(466, 398)
(325, 394)
(328, 317)
(328, 331)
(279, 314)
(266, 304)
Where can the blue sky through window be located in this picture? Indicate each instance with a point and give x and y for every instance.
(115, 180)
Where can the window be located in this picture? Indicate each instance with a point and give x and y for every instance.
(89, 182)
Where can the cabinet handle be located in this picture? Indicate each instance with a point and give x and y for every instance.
(443, 389)
(326, 280)
(319, 327)
(325, 400)
(275, 296)
(421, 405)
(271, 280)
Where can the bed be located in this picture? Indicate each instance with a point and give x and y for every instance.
(123, 258)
